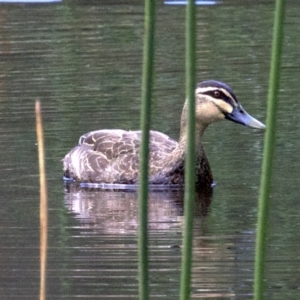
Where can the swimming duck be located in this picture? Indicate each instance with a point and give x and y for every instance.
(112, 156)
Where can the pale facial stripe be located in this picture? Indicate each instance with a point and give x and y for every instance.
(224, 105)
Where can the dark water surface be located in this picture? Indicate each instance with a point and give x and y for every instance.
(83, 60)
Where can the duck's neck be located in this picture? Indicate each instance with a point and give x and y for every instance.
(172, 168)
(199, 130)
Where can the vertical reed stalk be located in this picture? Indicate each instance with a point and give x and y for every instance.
(43, 201)
(269, 143)
(148, 57)
(189, 193)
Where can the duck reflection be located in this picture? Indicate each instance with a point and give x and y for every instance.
(221, 261)
(116, 212)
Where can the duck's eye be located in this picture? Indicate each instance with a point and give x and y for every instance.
(217, 94)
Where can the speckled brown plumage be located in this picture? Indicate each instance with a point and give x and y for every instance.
(112, 156)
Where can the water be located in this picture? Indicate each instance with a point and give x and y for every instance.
(83, 60)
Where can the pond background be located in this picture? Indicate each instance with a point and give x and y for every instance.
(83, 60)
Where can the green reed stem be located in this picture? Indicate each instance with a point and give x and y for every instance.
(148, 66)
(189, 192)
(269, 144)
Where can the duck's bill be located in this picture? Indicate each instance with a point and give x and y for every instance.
(239, 115)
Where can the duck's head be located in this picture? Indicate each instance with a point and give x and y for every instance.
(215, 101)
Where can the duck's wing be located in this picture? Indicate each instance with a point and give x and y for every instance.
(112, 156)
(161, 144)
(115, 143)
(109, 143)
(97, 137)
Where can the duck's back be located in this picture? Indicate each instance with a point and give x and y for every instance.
(112, 156)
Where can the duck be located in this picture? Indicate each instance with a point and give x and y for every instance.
(111, 156)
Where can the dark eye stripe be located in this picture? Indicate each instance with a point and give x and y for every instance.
(231, 100)
(225, 94)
